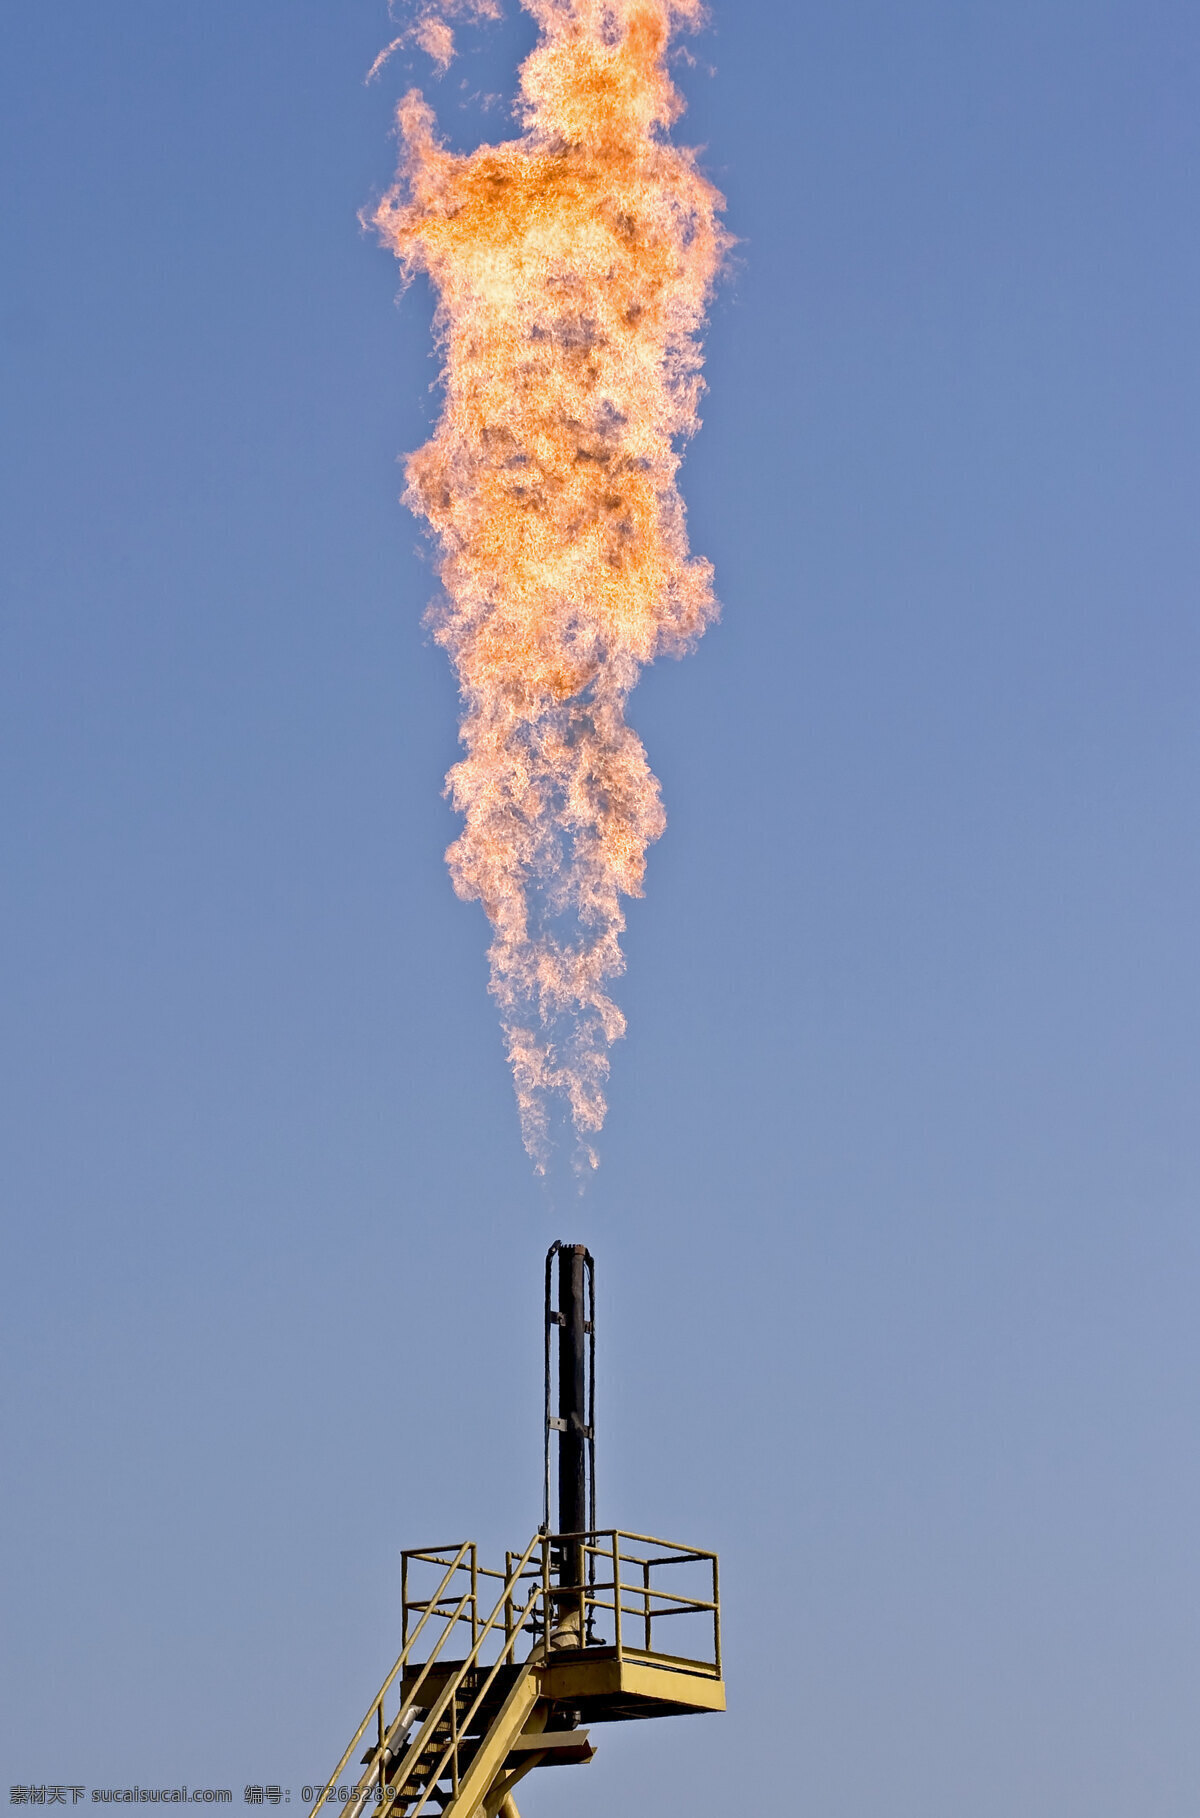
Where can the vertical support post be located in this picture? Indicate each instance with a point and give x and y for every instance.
(646, 1595)
(403, 1600)
(716, 1597)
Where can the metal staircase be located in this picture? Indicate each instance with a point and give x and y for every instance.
(456, 1720)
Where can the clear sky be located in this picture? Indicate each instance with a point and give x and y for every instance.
(897, 1222)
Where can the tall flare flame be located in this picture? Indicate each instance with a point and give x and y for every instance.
(572, 267)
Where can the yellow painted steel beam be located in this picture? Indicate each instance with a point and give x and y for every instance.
(500, 1799)
(487, 1764)
(553, 1748)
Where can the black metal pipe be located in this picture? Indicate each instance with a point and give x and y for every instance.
(574, 1432)
(571, 1386)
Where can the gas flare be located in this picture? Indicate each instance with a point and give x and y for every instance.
(572, 267)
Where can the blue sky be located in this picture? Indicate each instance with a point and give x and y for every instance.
(896, 1225)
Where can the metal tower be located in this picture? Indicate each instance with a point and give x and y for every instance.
(501, 1672)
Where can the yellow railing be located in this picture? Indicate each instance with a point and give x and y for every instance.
(624, 1575)
(622, 1600)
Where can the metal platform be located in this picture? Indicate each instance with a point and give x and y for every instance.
(599, 1685)
(610, 1688)
(544, 1662)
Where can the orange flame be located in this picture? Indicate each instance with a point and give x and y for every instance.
(572, 267)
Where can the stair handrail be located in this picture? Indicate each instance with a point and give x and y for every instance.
(376, 1703)
(374, 1775)
(451, 1689)
(430, 1725)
